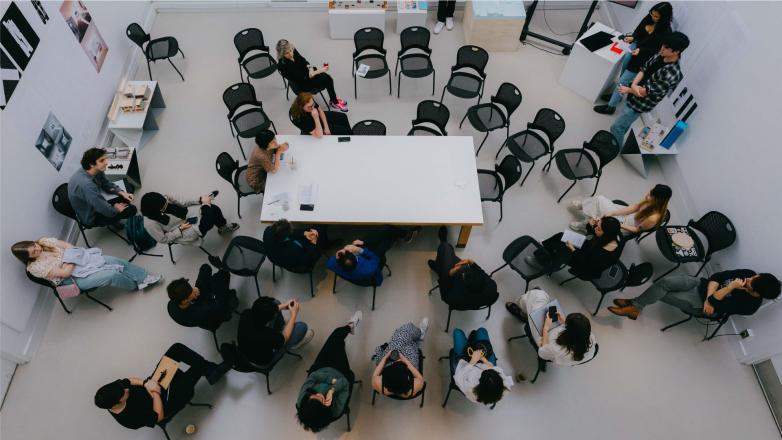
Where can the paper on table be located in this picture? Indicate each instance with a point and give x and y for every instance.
(538, 316)
(573, 237)
(109, 196)
(308, 194)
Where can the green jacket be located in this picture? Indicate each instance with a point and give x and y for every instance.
(320, 381)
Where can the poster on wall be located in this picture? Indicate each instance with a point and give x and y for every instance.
(17, 36)
(79, 20)
(10, 75)
(40, 10)
(54, 141)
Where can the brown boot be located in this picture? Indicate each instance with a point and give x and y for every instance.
(621, 302)
(628, 311)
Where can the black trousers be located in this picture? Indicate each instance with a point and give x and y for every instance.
(333, 354)
(102, 220)
(216, 289)
(380, 240)
(182, 387)
(445, 261)
(211, 216)
(322, 81)
(338, 123)
(445, 10)
(559, 254)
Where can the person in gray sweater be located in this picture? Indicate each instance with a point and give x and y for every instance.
(84, 192)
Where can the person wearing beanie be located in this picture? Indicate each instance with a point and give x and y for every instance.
(264, 159)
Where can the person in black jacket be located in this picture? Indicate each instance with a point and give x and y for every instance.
(297, 69)
(645, 41)
(293, 249)
(265, 336)
(731, 292)
(207, 305)
(463, 284)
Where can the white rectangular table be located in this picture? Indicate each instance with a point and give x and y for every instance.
(589, 73)
(400, 180)
(135, 128)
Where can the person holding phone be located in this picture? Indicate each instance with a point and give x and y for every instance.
(297, 69)
(264, 335)
(398, 361)
(476, 373)
(167, 220)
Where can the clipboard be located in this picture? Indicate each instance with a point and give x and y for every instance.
(165, 371)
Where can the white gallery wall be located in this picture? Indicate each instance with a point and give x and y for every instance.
(730, 158)
(59, 79)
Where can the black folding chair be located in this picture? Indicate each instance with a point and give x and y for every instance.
(715, 226)
(493, 184)
(163, 48)
(542, 362)
(295, 269)
(415, 56)
(254, 57)
(578, 164)
(420, 394)
(46, 283)
(370, 52)
(246, 117)
(236, 175)
(62, 204)
(467, 75)
(363, 283)
(244, 365)
(369, 127)
(515, 255)
(244, 257)
(617, 277)
(495, 114)
(528, 145)
(719, 320)
(431, 117)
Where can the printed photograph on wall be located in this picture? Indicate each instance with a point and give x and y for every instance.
(17, 36)
(79, 20)
(54, 141)
(40, 10)
(10, 77)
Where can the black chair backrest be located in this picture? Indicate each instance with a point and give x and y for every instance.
(368, 38)
(597, 348)
(718, 229)
(249, 39)
(226, 166)
(640, 274)
(136, 34)
(414, 37)
(472, 56)
(434, 112)
(510, 170)
(244, 255)
(40, 281)
(509, 96)
(549, 122)
(369, 127)
(61, 203)
(238, 95)
(604, 145)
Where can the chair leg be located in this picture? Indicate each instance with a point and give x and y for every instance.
(241, 75)
(165, 432)
(120, 236)
(500, 210)
(347, 416)
(482, 142)
(97, 301)
(526, 285)
(567, 281)
(423, 394)
(312, 289)
(666, 273)
(149, 70)
(257, 287)
(517, 337)
(171, 253)
(206, 405)
(434, 75)
(241, 150)
(462, 121)
(567, 191)
(526, 175)
(268, 389)
(62, 303)
(355, 89)
(447, 395)
(374, 393)
(599, 303)
(180, 51)
(448, 323)
(537, 373)
(488, 315)
(702, 266)
(389, 83)
(714, 333)
(177, 70)
(374, 290)
(334, 286)
(398, 83)
(214, 336)
(433, 289)
(442, 95)
(497, 269)
(597, 182)
(676, 323)
(239, 205)
(83, 235)
(389, 269)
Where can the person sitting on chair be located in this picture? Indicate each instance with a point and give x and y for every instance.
(84, 192)
(463, 284)
(265, 159)
(290, 248)
(46, 258)
(730, 292)
(479, 379)
(645, 215)
(207, 305)
(311, 119)
(364, 260)
(264, 335)
(325, 393)
(166, 219)
(396, 373)
(135, 403)
(298, 70)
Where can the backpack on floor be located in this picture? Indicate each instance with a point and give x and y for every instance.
(138, 235)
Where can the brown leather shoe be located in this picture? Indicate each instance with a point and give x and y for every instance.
(628, 311)
(621, 302)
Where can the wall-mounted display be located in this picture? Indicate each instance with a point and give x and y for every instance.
(80, 22)
(54, 141)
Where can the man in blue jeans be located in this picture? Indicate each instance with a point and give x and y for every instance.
(479, 379)
(264, 335)
(658, 77)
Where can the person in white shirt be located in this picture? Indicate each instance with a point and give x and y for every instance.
(480, 380)
(569, 344)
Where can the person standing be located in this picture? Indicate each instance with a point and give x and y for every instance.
(658, 77)
(444, 15)
(84, 192)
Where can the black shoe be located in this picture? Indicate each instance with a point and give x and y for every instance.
(432, 265)
(604, 109)
(215, 261)
(606, 96)
(410, 235)
(442, 234)
(228, 351)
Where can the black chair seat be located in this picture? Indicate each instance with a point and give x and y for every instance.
(527, 146)
(369, 127)
(161, 48)
(489, 184)
(416, 65)
(260, 65)
(486, 117)
(527, 246)
(464, 85)
(244, 257)
(377, 65)
(668, 251)
(575, 163)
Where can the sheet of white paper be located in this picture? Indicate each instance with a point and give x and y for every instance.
(308, 194)
(573, 237)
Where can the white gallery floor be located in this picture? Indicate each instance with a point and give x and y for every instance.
(644, 384)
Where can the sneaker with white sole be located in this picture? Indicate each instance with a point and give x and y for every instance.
(423, 326)
(149, 280)
(305, 340)
(439, 27)
(449, 23)
(339, 105)
(354, 320)
(575, 205)
(230, 227)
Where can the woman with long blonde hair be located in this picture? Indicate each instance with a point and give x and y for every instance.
(296, 69)
(645, 215)
(310, 119)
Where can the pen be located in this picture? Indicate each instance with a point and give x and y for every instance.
(273, 202)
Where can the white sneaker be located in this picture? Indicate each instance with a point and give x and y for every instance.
(307, 338)
(448, 23)
(575, 205)
(423, 325)
(440, 25)
(578, 227)
(354, 320)
(149, 280)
